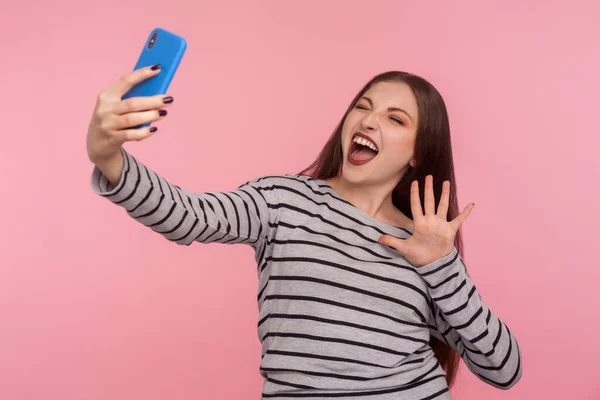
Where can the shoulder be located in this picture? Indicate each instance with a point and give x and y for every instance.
(285, 187)
(282, 181)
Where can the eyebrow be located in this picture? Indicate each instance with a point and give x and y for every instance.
(389, 108)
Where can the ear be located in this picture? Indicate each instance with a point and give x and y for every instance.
(412, 163)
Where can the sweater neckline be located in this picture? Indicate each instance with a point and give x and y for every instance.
(380, 224)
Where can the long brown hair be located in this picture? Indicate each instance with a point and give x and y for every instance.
(433, 156)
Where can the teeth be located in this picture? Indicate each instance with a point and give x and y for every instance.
(365, 142)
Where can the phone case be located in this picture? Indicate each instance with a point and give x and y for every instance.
(168, 50)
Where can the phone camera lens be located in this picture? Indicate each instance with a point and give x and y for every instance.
(152, 40)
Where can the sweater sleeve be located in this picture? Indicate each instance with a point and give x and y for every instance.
(464, 322)
(244, 215)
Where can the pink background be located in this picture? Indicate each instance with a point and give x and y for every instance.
(95, 306)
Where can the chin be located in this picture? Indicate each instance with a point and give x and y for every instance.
(358, 175)
(367, 174)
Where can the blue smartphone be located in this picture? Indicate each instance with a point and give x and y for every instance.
(161, 47)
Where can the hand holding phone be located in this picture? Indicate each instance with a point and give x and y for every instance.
(167, 50)
(124, 111)
(113, 118)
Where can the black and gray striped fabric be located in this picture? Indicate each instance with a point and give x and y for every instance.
(340, 315)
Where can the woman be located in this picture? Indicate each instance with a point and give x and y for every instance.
(362, 289)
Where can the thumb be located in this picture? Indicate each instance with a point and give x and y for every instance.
(391, 241)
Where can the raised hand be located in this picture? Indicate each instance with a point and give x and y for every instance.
(433, 235)
(113, 119)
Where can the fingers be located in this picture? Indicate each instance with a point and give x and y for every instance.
(128, 135)
(429, 196)
(138, 118)
(142, 103)
(444, 201)
(415, 200)
(127, 81)
(461, 218)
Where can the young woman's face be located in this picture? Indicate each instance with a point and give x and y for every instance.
(387, 114)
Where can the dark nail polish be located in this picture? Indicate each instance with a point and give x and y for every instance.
(153, 129)
(155, 67)
(162, 113)
(168, 100)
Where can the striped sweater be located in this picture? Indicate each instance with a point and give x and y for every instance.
(340, 315)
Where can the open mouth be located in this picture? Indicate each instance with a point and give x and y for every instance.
(362, 150)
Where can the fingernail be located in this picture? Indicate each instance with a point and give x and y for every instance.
(168, 100)
(153, 129)
(155, 67)
(162, 113)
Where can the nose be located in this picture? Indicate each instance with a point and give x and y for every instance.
(369, 122)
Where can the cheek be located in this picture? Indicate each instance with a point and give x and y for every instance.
(399, 149)
(347, 129)
(352, 119)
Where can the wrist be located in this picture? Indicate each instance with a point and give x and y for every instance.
(112, 167)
